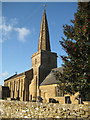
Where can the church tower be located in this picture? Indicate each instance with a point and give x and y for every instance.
(43, 60)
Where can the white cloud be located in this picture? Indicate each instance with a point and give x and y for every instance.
(4, 74)
(6, 30)
(22, 33)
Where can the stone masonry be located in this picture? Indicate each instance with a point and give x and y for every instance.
(21, 109)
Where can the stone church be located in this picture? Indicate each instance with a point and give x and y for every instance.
(39, 81)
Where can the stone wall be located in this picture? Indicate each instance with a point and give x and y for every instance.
(17, 109)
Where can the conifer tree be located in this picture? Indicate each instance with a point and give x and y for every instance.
(76, 71)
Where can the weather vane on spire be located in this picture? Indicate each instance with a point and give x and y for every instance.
(45, 5)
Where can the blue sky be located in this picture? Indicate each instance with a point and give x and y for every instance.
(20, 32)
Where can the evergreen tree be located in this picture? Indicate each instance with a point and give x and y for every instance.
(76, 71)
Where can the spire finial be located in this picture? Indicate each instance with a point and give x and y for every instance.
(45, 5)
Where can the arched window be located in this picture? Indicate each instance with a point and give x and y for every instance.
(59, 92)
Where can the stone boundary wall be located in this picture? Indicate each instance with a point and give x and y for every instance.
(18, 109)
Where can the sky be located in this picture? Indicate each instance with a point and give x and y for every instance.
(20, 30)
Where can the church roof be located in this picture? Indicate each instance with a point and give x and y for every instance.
(44, 40)
(51, 79)
(11, 77)
(17, 75)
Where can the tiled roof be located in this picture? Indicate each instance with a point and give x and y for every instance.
(17, 75)
(51, 79)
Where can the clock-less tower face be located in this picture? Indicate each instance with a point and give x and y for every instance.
(42, 63)
(43, 60)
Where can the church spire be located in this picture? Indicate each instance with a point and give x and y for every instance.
(44, 41)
